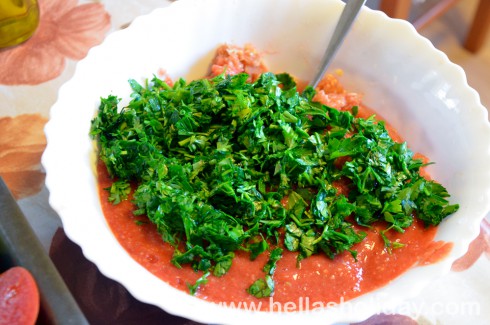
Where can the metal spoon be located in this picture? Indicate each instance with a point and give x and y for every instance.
(349, 14)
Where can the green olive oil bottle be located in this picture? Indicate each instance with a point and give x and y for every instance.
(18, 21)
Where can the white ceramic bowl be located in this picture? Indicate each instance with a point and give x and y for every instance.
(402, 76)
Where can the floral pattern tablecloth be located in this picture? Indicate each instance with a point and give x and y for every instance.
(30, 76)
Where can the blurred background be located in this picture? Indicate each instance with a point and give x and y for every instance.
(448, 30)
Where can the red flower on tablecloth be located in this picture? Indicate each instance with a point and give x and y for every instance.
(66, 30)
(22, 143)
(479, 246)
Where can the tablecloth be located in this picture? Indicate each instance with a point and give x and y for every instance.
(30, 76)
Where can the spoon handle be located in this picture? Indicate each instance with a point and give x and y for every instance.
(349, 14)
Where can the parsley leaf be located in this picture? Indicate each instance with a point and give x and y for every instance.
(221, 165)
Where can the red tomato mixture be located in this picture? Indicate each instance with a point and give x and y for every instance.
(318, 280)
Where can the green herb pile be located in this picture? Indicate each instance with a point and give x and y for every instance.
(223, 165)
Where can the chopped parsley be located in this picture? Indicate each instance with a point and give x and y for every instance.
(223, 164)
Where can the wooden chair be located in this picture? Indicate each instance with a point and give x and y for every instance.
(478, 29)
